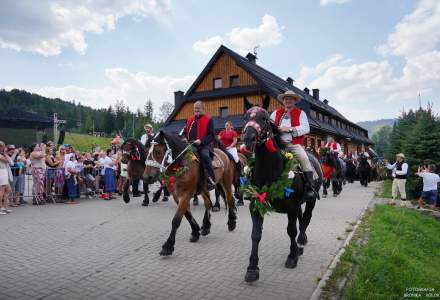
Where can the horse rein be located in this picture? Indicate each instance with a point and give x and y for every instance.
(252, 123)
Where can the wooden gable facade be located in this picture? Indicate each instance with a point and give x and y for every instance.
(229, 77)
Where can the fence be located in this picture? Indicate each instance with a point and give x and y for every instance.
(54, 182)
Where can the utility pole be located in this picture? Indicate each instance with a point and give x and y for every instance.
(133, 125)
(93, 127)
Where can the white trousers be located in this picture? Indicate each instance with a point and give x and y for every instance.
(398, 186)
(234, 153)
(301, 156)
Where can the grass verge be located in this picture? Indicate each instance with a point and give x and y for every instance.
(393, 252)
(83, 142)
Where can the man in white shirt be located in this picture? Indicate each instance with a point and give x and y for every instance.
(147, 136)
(293, 125)
(430, 186)
(399, 173)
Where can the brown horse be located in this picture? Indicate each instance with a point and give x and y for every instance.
(168, 153)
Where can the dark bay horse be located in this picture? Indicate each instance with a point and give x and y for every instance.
(333, 174)
(267, 169)
(363, 170)
(351, 170)
(134, 152)
(168, 153)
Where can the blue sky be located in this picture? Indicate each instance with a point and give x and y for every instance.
(369, 58)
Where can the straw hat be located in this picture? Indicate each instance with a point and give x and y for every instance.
(400, 155)
(289, 93)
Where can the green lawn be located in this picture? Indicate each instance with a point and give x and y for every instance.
(83, 142)
(386, 189)
(395, 250)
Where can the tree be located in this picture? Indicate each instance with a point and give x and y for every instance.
(381, 140)
(165, 111)
(148, 110)
(109, 120)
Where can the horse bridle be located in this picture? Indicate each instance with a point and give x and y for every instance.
(136, 154)
(263, 133)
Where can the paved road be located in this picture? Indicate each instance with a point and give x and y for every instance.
(109, 250)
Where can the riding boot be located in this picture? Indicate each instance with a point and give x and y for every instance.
(238, 167)
(210, 178)
(309, 189)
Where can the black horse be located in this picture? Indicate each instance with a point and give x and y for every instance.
(268, 169)
(337, 175)
(364, 170)
(351, 171)
(134, 152)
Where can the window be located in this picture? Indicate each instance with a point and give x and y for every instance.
(218, 83)
(234, 81)
(313, 114)
(223, 112)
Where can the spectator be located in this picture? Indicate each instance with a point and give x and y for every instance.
(400, 171)
(37, 157)
(15, 170)
(109, 175)
(5, 188)
(430, 186)
(52, 164)
(71, 173)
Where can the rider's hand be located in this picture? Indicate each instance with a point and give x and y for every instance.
(197, 142)
(285, 129)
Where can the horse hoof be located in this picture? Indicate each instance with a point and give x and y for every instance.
(137, 195)
(231, 226)
(300, 251)
(215, 208)
(205, 231)
(252, 275)
(145, 203)
(126, 198)
(166, 252)
(194, 237)
(302, 239)
(291, 262)
(240, 203)
(165, 199)
(155, 199)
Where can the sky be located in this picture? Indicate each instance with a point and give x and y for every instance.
(370, 59)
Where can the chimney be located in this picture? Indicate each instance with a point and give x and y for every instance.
(251, 57)
(289, 80)
(316, 94)
(307, 91)
(325, 101)
(178, 98)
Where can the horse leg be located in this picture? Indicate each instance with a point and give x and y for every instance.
(324, 189)
(195, 233)
(166, 193)
(304, 222)
(195, 200)
(206, 226)
(157, 194)
(126, 196)
(216, 206)
(146, 191)
(253, 272)
(232, 216)
(168, 246)
(238, 194)
(292, 258)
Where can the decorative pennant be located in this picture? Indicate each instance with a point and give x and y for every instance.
(288, 191)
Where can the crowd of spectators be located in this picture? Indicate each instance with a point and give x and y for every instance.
(46, 173)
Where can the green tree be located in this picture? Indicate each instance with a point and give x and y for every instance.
(381, 140)
(148, 110)
(109, 121)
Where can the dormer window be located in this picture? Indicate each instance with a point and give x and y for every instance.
(218, 83)
(234, 81)
(223, 112)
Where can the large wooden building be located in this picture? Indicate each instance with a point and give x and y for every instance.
(228, 77)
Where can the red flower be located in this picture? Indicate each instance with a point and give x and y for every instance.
(270, 146)
(171, 183)
(262, 197)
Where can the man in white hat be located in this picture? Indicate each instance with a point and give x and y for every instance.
(294, 125)
(147, 137)
(400, 171)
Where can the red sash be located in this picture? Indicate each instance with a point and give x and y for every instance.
(294, 122)
(202, 126)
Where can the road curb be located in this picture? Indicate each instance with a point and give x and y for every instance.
(318, 290)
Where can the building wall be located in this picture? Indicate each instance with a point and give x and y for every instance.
(224, 68)
(235, 106)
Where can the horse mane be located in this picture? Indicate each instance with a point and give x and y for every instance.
(142, 150)
(176, 145)
(276, 136)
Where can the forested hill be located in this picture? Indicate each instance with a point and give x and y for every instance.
(374, 126)
(80, 118)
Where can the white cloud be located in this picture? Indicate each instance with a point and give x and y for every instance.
(47, 26)
(268, 33)
(416, 33)
(209, 45)
(326, 2)
(133, 88)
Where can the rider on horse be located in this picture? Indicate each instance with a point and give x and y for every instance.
(335, 149)
(199, 130)
(293, 124)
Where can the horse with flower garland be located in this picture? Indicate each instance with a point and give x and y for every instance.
(173, 161)
(273, 183)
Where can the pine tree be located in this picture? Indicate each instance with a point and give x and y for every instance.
(148, 110)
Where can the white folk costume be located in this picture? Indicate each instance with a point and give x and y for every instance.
(335, 148)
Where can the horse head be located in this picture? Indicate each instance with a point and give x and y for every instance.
(327, 157)
(133, 150)
(258, 128)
